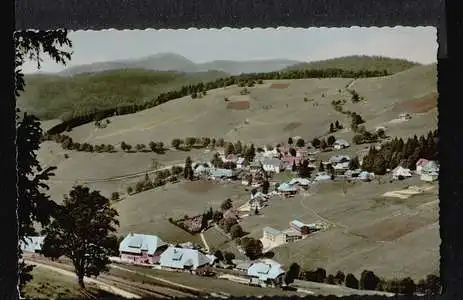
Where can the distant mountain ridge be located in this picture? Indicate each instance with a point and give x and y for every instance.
(176, 62)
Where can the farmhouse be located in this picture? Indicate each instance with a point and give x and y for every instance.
(430, 167)
(272, 165)
(242, 266)
(286, 189)
(341, 168)
(336, 159)
(401, 173)
(218, 173)
(183, 258)
(299, 226)
(141, 248)
(291, 235)
(429, 176)
(201, 170)
(266, 273)
(302, 182)
(366, 176)
(32, 244)
(240, 163)
(340, 144)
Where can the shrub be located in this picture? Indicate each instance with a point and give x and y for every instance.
(236, 231)
(229, 256)
(115, 196)
(129, 190)
(351, 281)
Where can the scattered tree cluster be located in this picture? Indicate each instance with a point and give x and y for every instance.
(324, 144)
(199, 89)
(368, 281)
(397, 152)
(335, 127)
(67, 143)
(252, 247)
(355, 96)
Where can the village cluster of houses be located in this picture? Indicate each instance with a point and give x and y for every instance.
(297, 230)
(428, 170)
(152, 251)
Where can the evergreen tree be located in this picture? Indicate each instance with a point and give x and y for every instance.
(316, 142)
(379, 165)
(304, 170)
(368, 280)
(330, 141)
(294, 168)
(238, 148)
(351, 281)
(354, 163)
(332, 128)
(188, 169)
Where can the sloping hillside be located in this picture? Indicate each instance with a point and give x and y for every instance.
(50, 97)
(358, 62)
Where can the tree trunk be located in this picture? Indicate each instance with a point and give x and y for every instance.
(80, 280)
(8, 189)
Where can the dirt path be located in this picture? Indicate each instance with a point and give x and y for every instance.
(204, 241)
(103, 286)
(116, 178)
(351, 84)
(157, 278)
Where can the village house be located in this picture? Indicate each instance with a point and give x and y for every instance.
(322, 176)
(141, 248)
(341, 168)
(277, 237)
(273, 235)
(340, 144)
(291, 235)
(201, 170)
(272, 165)
(32, 244)
(255, 166)
(303, 183)
(183, 259)
(230, 158)
(266, 272)
(366, 176)
(336, 159)
(429, 176)
(240, 163)
(218, 173)
(420, 164)
(299, 226)
(242, 266)
(286, 189)
(288, 161)
(400, 173)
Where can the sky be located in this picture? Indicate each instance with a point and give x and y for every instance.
(417, 44)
